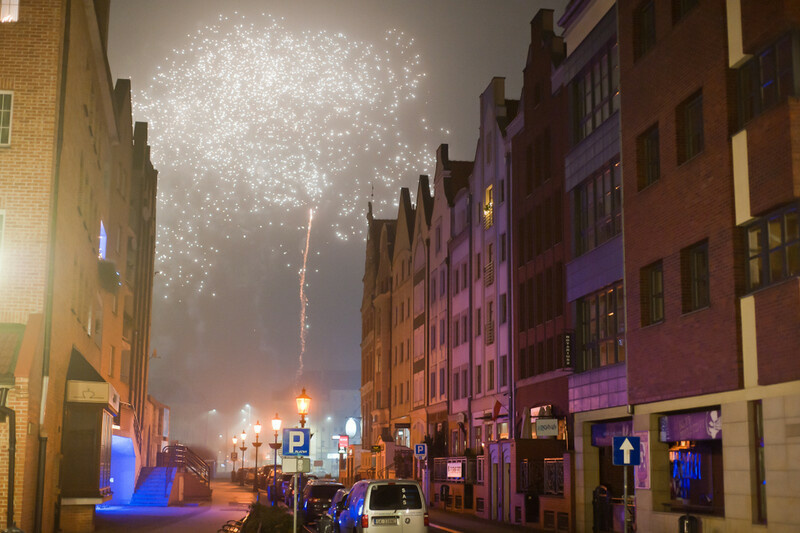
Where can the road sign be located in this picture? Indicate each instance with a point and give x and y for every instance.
(296, 442)
(420, 451)
(296, 465)
(626, 451)
(344, 442)
(234, 456)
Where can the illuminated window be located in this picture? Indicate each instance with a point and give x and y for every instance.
(773, 248)
(6, 98)
(601, 328)
(9, 10)
(103, 242)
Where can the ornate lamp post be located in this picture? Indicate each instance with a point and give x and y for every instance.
(256, 445)
(276, 426)
(244, 449)
(303, 403)
(233, 460)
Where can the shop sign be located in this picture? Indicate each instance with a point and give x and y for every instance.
(641, 472)
(568, 339)
(376, 449)
(93, 392)
(344, 441)
(455, 470)
(602, 434)
(701, 425)
(546, 427)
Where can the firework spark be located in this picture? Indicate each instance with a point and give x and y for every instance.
(303, 297)
(251, 122)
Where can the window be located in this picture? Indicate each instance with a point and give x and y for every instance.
(9, 10)
(648, 165)
(456, 337)
(441, 381)
(598, 209)
(478, 378)
(433, 287)
(441, 331)
(478, 266)
(438, 238)
(595, 92)
(680, 8)
(2, 225)
(503, 371)
(464, 329)
(433, 336)
(6, 98)
(651, 280)
(432, 385)
(502, 247)
(478, 322)
(767, 79)
(644, 29)
(600, 328)
(694, 277)
(689, 120)
(490, 377)
(455, 386)
(501, 309)
(442, 287)
(773, 248)
(464, 383)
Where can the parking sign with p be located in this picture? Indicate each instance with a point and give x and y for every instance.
(296, 442)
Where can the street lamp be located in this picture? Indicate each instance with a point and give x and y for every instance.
(276, 426)
(303, 403)
(244, 449)
(256, 445)
(233, 460)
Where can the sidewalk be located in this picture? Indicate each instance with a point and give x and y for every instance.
(453, 522)
(229, 502)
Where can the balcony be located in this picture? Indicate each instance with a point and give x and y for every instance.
(488, 216)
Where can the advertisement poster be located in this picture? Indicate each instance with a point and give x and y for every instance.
(641, 472)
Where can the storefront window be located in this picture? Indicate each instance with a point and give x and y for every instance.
(695, 460)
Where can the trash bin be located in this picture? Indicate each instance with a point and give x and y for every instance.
(688, 524)
(601, 507)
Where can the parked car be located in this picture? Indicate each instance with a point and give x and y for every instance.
(388, 505)
(317, 498)
(243, 474)
(327, 523)
(288, 490)
(265, 475)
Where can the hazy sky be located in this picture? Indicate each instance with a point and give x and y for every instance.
(261, 111)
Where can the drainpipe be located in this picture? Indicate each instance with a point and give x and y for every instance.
(51, 262)
(512, 383)
(470, 310)
(12, 451)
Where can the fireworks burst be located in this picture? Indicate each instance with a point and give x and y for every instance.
(251, 123)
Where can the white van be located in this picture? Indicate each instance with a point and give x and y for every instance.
(385, 506)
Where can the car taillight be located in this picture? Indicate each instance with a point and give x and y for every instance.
(426, 519)
(364, 521)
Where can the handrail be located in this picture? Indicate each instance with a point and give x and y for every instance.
(183, 457)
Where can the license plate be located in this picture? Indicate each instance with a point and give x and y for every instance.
(390, 521)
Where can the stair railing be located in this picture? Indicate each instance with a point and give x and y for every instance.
(183, 458)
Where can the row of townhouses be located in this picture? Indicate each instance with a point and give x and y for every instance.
(620, 259)
(77, 241)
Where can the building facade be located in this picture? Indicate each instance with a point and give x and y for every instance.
(77, 236)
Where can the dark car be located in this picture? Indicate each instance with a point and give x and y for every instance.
(327, 523)
(288, 490)
(317, 498)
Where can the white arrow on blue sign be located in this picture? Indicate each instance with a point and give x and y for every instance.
(296, 442)
(627, 451)
(420, 451)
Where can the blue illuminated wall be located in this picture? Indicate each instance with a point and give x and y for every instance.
(123, 470)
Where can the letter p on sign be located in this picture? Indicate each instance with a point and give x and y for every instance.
(296, 442)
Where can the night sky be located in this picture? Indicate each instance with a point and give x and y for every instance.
(261, 111)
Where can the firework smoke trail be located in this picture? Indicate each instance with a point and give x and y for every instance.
(303, 297)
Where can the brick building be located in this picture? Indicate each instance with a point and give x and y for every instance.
(713, 303)
(77, 236)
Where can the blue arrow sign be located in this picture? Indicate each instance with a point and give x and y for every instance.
(296, 442)
(627, 451)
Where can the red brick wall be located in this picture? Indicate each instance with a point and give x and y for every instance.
(774, 173)
(764, 20)
(695, 353)
(778, 332)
